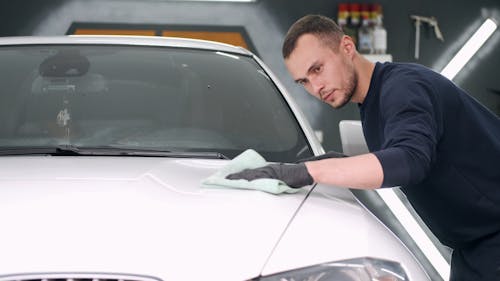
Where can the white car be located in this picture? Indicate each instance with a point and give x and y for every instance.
(104, 142)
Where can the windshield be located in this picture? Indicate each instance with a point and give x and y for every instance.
(135, 97)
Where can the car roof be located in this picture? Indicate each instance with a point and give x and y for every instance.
(159, 41)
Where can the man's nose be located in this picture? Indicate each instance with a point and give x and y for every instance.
(317, 86)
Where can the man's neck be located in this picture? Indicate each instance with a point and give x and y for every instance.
(364, 69)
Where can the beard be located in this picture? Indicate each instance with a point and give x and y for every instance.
(351, 83)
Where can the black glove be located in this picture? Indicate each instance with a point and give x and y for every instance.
(294, 175)
(329, 154)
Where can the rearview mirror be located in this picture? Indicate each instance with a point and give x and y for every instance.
(66, 63)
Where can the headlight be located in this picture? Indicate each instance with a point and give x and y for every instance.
(359, 269)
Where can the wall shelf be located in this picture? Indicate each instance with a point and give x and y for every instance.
(378, 58)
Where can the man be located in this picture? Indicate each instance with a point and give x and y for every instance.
(424, 134)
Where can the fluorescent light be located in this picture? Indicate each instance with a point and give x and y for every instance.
(469, 49)
(417, 233)
(216, 0)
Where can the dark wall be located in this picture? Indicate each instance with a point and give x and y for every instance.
(18, 18)
(457, 21)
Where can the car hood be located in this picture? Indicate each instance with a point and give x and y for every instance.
(139, 215)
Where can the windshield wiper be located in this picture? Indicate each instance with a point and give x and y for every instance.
(120, 151)
(36, 150)
(69, 150)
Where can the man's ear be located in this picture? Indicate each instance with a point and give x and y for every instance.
(347, 45)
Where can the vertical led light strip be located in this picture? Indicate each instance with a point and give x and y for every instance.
(416, 232)
(469, 49)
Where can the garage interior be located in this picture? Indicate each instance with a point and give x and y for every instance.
(260, 26)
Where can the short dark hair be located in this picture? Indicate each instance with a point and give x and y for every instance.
(323, 27)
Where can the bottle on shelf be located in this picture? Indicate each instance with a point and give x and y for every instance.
(365, 32)
(379, 32)
(342, 15)
(353, 23)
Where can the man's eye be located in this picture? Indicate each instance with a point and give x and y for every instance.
(317, 69)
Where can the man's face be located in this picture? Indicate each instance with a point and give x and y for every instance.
(327, 75)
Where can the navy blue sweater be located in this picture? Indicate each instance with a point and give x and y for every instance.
(440, 145)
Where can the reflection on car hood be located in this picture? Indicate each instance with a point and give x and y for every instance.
(142, 215)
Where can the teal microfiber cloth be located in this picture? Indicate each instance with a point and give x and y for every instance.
(249, 159)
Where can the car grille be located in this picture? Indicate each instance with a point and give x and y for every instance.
(76, 277)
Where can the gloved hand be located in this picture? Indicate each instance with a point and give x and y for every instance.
(294, 175)
(329, 154)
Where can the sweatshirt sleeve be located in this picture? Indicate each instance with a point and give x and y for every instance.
(410, 132)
